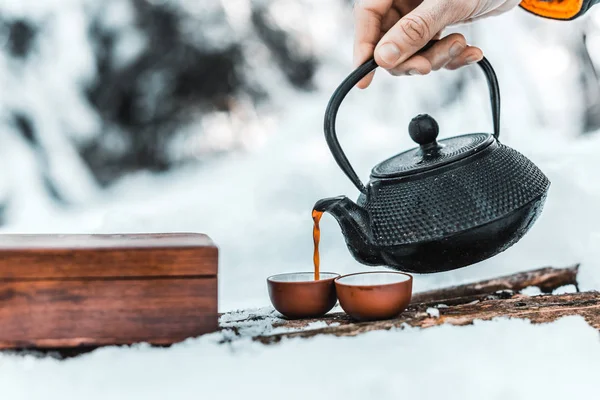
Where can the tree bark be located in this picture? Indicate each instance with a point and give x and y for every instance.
(537, 309)
(546, 279)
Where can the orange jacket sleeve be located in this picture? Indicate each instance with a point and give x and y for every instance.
(558, 9)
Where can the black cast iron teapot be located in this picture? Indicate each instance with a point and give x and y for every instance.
(442, 205)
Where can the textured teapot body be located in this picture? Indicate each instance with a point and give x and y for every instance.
(446, 218)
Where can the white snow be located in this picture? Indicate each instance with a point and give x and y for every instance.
(256, 206)
(433, 312)
(565, 289)
(531, 291)
(510, 359)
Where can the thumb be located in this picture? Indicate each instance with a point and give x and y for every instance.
(413, 31)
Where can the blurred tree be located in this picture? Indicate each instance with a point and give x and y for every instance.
(175, 79)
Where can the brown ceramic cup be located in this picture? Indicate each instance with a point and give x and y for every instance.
(297, 295)
(373, 296)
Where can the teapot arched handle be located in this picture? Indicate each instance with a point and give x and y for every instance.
(342, 90)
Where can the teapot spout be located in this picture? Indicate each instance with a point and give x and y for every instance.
(355, 223)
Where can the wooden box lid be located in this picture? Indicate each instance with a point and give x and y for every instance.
(105, 256)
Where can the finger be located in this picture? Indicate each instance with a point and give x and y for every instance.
(368, 15)
(434, 58)
(444, 51)
(416, 65)
(470, 55)
(368, 18)
(366, 81)
(406, 6)
(389, 20)
(413, 31)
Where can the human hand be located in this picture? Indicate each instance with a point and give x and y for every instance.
(394, 30)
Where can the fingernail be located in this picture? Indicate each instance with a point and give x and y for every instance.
(414, 72)
(472, 60)
(389, 53)
(456, 49)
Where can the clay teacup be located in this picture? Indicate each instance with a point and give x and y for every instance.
(297, 295)
(373, 296)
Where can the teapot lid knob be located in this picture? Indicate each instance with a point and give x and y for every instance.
(423, 129)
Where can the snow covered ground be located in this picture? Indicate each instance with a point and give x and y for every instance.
(256, 206)
(504, 359)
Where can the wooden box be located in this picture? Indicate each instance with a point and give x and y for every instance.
(90, 290)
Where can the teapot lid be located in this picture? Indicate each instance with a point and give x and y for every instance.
(431, 153)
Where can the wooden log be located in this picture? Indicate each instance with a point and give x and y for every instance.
(498, 289)
(546, 279)
(537, 309)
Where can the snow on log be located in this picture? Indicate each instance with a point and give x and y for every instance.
(537, 309)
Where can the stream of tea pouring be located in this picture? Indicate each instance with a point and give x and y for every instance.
(316, 215)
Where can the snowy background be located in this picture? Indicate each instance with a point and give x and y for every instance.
(205, 115)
